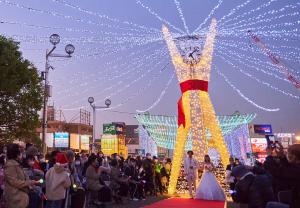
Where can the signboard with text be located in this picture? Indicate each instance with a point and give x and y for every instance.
(109, 129)
(259, 148)
(262, 128)
(259, 145)
(61, 139)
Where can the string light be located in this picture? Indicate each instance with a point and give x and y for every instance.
(194, 103)
(146, 142)
(72, 30)
(255, 61)
(233, 11)
(116, 92)
(246, 98)
(162, 129)
(68, 17)
(160, 96)
(258, 80)
(291, 56)
(139, 92)
(101, 16)
(202, 114)
(261, 16)
(276, 18)
(238, 17)
(158, 17)
(128, 69)
(181, 15)
(208, 17)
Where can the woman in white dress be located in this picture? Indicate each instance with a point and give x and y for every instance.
(209, 188)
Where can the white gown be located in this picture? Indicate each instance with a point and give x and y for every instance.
(209, 188)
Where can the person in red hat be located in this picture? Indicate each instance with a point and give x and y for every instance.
(57, 181)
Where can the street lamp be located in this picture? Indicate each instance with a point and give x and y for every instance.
(91, 100)
(69, 49)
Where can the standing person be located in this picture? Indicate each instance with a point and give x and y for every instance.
(164, 177)
(168, 168)
(237, 161)
(157, 174)
(73, 171)
(57, 182)
(52, 158)
(285, 171)
(209, 188)
(17, 184)
(190, 171)
(78, 167)
(228, 177)
(32, 151)
(293, 172)
(148, 167)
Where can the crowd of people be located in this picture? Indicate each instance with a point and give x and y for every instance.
(272, 184)
(66, 179)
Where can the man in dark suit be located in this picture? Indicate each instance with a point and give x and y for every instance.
(229, 178)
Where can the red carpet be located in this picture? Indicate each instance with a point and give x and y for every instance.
(185, 202)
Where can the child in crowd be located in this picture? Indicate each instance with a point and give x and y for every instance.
(57, 181)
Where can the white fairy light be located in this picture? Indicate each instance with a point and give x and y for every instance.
(181, 16)
(244, 97)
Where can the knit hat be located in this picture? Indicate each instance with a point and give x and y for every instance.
(61, 159)
(239, 171)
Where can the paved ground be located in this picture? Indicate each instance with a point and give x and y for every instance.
(134, 204)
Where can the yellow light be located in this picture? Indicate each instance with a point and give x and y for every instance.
(197, 106)
(298, 138)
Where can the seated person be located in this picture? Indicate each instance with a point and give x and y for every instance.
(93, 173)
(135, 184)
(256, 191)
(119, 184)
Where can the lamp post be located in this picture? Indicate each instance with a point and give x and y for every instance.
(91, 100)
(54, 39)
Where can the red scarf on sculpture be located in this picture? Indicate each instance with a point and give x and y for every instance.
(187, 86)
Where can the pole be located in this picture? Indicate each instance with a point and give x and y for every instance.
(94, 123)
(44, 120)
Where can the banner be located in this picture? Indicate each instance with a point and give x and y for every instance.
(259, 145)
(263, 129)
(109, 129)
(61, 139)
(85, 142)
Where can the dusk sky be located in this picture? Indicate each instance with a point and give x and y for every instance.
(116, 57)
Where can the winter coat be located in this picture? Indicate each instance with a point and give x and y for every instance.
(16, 185)
(285, 177)
(116, 178)
(132, 172)
(93, 177)
(255, 191)
(57, 181)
